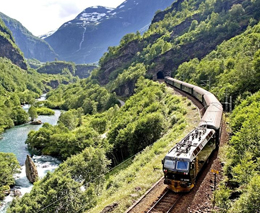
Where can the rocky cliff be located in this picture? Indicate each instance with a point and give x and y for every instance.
(62, 67)
(9, 49)
(30, 45)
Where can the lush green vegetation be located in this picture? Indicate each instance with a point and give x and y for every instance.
(242, 160)
(8, 167)
(64, 68)
(5, 31)
(73, 187)
(117, 133)
(45, 111)
(186, 31)
(17, 87)
(143, 119)
(232, 69)
(85, 94)
(57, 67)
(95, 134)
(128, 130)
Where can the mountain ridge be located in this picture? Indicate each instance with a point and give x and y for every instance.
(31, 46)
(8, 47)
(89, 35)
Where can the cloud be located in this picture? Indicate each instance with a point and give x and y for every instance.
(64, 8)
(42, 16)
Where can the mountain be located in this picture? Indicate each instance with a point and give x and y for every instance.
(86, 38)
(30, 45)
(8, 48)
(62, 67)
(175, 36)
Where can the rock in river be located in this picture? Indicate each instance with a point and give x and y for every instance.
(31, 170)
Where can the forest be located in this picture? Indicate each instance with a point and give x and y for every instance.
(91, 144)
(109, 150)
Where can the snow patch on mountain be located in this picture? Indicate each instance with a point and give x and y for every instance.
(94, 15)
(47, 34)
(91, 17)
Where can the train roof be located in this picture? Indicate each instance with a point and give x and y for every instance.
(189, 147)
(212, 117)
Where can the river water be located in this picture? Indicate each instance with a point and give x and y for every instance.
(14, 142)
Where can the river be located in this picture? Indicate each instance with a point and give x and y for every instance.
(13, 141)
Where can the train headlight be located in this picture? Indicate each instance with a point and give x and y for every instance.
(165, 171)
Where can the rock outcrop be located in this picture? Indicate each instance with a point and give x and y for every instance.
(31, 170)
(8, 48)
(31, 46)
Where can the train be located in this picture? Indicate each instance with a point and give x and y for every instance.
(186, 159)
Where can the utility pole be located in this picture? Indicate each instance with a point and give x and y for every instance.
(206, 82)
(226, 101)
(230, 104)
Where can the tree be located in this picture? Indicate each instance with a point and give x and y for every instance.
(249, 202)
(18, 115)
(33, 113)
(9, 166)
(69, 119)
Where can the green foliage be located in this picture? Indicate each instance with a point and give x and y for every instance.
(70, 119)
(243, 165)
(85, 94)
(19, 116)
(129, 75)
(221, 197)
(44, 111)
(232, 68)
(17, 87)
(9, 166)
(73, 187)
(33, 113)
(142, 120)
(59, 141)
(58, 67)
(249, 202)
(187, 31)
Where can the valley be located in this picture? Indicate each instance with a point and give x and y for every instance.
(111, 154)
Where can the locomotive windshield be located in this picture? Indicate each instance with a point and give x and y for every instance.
(182, 165)
(169, 164)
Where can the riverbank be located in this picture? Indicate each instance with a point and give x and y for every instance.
(13, 141)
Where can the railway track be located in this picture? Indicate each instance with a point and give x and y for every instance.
(166, 202)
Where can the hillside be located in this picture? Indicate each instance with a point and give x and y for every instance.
(62, 67)
(8, 47)
(189, 29)
(113, 154)
(30, 45)
(85, 38)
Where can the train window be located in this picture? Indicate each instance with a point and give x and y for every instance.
(169, 164)
(182, 165)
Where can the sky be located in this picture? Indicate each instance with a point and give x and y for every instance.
(42, 16)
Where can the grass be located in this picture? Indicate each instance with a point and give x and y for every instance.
(128, 182)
